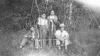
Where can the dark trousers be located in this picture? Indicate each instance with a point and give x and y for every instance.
(43, 35)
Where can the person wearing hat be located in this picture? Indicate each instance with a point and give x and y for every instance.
(43, 26)
(62, 36)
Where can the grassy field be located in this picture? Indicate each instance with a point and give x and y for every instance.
(9, 44)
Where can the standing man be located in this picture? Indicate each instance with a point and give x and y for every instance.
(62, 36)
(43, 25)
(53, 19)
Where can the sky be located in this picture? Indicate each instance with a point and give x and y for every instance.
(93, 4)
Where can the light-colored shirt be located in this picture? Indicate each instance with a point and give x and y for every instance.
(61, 35)
(43, 22)
(53, 17)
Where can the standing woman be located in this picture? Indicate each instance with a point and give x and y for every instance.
(53, 19)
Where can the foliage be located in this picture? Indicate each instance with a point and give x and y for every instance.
(15, 16)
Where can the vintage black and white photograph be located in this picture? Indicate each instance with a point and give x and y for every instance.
(49, 27)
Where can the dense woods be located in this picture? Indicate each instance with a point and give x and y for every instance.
(16, 15)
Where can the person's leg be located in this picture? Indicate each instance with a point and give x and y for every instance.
(66, 43)
(40, 36)
(53, 36)
(58, 44)
(54, 41)
(50, 37)
(37, 43)
(24, 41)
(31, 43)
(44, 36)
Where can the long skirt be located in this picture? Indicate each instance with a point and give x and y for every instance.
(52, 29)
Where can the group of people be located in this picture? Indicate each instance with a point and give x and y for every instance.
(48, 34)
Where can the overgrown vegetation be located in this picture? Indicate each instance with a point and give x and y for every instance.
(15, 16)
(14, 13)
